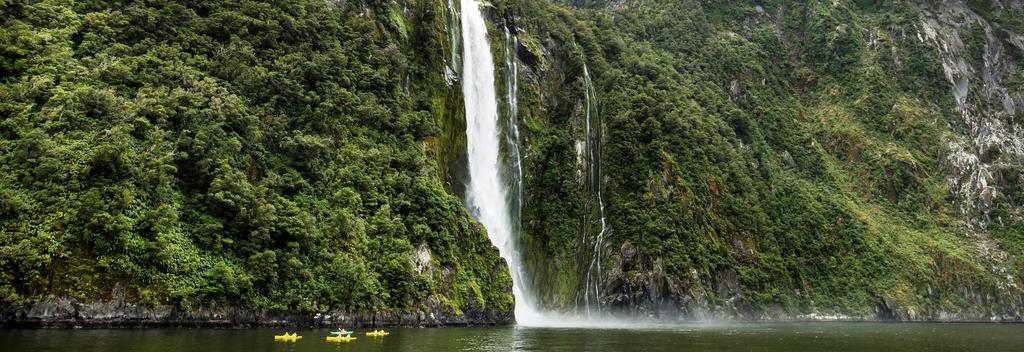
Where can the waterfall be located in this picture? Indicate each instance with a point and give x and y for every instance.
(512, 127)
(486, 193)
(494, 191)
(454, 30)
(593, 145)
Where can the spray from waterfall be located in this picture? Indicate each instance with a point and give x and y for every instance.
(486, 193)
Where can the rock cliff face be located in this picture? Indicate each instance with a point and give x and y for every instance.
(987, 147)
(985, 152)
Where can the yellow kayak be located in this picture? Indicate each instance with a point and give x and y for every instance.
(287, 337)
(340, 338)
(377, 333)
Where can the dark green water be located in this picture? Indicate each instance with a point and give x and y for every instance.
(695, 337)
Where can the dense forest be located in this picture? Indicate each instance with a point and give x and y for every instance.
(755, 159)
(778, 159)
(766, 158)
(210, 153)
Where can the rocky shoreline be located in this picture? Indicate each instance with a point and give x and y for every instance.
(71, 313)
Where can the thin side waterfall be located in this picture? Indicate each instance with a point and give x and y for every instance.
(454, 30)
(592, 288)
(486, 193)
(512, 127)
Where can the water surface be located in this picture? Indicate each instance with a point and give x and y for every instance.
(690, 337)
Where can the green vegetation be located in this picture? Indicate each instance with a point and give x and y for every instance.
(301, 155)
(209, 153)
(797, 145)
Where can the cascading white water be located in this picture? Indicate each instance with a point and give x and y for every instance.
(486, 193)
(593, 278)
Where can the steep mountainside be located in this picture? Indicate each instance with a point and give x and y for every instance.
(773, 159)
(675, 159)
(206, 154)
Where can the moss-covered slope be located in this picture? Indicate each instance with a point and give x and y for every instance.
(265, 155)
(777, 159)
